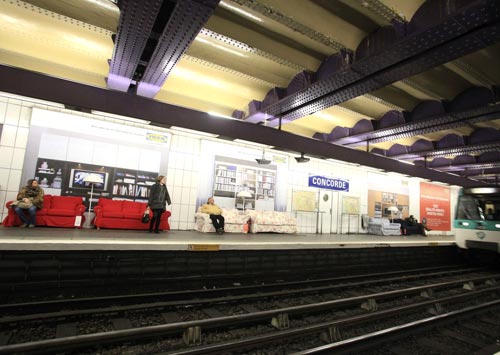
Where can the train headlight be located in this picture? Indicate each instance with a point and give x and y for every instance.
(497, 225)
(465, 224)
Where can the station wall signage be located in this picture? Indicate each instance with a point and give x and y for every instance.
(323, 182)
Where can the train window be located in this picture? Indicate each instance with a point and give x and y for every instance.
(468, 208)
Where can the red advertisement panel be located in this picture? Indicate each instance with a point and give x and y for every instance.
(435, 206)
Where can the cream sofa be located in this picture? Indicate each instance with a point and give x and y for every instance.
(382, 226)
(272, 221)
(234, 221)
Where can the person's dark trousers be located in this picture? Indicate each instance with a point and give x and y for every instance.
(218, 221)
(22, 216)
(155, 220)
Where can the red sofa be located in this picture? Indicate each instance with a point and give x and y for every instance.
(56, 211)
(120, 214)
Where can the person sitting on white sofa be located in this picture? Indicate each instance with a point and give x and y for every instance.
(215, 214)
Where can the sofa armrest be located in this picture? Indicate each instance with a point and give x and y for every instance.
(98, 211)
(79, 209)
(205, 217)
(8, 204)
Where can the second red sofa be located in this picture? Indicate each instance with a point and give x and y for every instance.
(119, 214)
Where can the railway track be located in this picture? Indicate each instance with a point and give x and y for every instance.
(249, 317)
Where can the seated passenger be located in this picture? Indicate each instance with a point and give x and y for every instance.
(421, 227)
(215, 214)
(489, 214)
(30, 198)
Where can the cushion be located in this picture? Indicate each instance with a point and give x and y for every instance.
(61, 212)
(65, 202)
(129, 215)
(47, 201)
(112, 214)
(110, 205)
(131, 207)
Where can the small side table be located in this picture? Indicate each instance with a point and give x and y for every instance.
(88, 220)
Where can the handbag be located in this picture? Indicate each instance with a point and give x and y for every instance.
(145, 216)
(21, 204)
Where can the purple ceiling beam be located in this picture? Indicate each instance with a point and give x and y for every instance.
(186, 20)
(458, 35)
(137, 18)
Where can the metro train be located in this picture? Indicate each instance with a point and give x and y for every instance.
(477, 220)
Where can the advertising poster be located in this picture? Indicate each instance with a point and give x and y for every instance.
(435, 206)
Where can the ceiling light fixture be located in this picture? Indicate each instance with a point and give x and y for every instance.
(302, 159)
(216, 114)
(263, 160)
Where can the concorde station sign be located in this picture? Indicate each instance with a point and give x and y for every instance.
(323, 182)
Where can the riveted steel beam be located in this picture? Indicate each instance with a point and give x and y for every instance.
(455, 37)
(462, 150)
(478, 166)
(432, 124)
(137, 18)
(186, 20)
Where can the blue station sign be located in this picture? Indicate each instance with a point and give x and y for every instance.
(322, 182)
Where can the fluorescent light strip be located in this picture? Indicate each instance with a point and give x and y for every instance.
(242, 141)
(192, 131)
(216, 114)
(240, 11)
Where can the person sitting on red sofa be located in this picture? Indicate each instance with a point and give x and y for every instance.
(30, 198)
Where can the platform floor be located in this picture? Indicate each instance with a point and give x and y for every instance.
(44, 238)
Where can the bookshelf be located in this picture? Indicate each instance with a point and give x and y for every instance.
(132, 184)
(233, 178)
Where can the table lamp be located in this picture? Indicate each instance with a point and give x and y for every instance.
(92, 179)
(393, 209)
(243, 195)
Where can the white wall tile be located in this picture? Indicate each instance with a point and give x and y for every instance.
(185, 195)
(18, 158)
(9, 135)
(178, 176)
(25, 117)
(184, 217)
(176, 195)
(183, 225)
(6, 154)
(14, 180)
(22, 137)
(3, 110)
(12, 114)
(4, 178)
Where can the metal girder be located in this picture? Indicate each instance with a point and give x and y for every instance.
(23, 82)
(462, 150)
(137, 18)
(186, 20)
(477, 166)
(432, 124)
(455, 37)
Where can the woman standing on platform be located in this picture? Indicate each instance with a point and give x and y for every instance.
(158, 196)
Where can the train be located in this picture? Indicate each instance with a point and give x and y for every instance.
(477, 221)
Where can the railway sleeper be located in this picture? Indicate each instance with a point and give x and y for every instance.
(331, 335)
(469, 286)
(192, 336)
(281, 321)
(436, 309)
(427, 293)
(370, 305)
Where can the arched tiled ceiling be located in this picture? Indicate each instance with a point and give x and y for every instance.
(247, 47)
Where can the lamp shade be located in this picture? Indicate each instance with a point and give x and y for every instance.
(245, 194)
(93, 178)
(393, 209)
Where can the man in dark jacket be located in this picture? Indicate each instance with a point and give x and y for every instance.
(158, 196)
